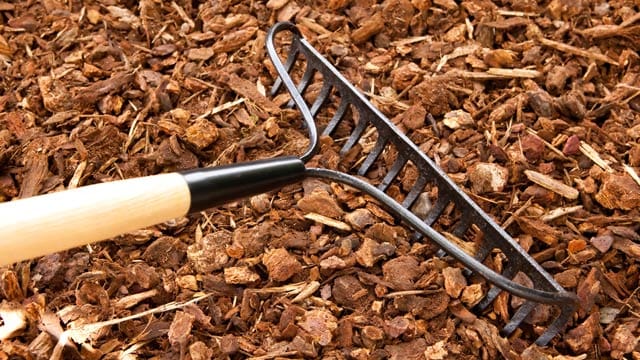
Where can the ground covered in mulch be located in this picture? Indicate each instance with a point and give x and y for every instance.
(532, 107)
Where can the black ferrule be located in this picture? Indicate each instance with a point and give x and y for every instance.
(213, 186)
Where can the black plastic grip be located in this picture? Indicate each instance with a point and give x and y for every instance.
(213, 186)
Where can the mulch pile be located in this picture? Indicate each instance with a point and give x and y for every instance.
(532, 107)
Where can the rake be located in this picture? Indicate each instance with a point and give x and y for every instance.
(304, 58)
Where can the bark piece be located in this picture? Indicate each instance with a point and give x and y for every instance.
(402, 272)
(368, 28)
(619, 192)
(426, 307)
(208, 253)
(397, 326)
(200, 351)
(240, 275)
(201, 134)
(200, 54)
(344, 291)
(433, 94)
(360, 218)
(624, 341)
(319, 201)
(539, 230)
(580, 338)
(180, 329)
(10, 287)
(454, 281)
(280, 264)
(14, 320)
(532, 147)
(414, 117)
(587, 291)
(229, 344)
(472, 294)
(488, 177)
(457, 118)
(166, 251)
(234, 40)
(412, 350)
(320, 325)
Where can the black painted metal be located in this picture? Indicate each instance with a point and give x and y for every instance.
(545, 290)
(213, 186)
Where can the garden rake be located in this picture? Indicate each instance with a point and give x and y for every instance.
(316, 69)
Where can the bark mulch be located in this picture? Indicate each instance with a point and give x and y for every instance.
(532, 107)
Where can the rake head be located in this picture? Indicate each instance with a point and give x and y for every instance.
(355, 119)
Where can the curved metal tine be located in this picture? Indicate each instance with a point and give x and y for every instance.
(335, 120)
(566, 311)
(393, 172)
(416, 190)
(309, 72)
(322, 97)
(494, 291)
(291, 59)
(523, 311)
(373, 155)
(355, 136)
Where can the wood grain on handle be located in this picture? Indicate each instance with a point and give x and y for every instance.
(49, 223)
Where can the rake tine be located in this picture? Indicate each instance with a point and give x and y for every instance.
(557, 325)
(322, 97)
(355, 136)
(373, 155)
(393, 172)
(523, 311)
(416, 190)
(291, 59)
(335, 120)
(494, 291)
(304, 83)
(437, 210)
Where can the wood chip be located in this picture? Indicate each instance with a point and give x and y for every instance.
(552, 184)
(328, 221)
(592, 154)
(14, 320)
(559, 212)
(576, 51)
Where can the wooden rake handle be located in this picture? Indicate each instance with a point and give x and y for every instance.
(59, 221)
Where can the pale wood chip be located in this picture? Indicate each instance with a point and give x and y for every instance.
(77, 175)
(130, 301)
(592, 154)
(632, 172)
(577, 51)
(558, 212)
(14, 319)
(308, 290)
(328, 221)
(495, 73)
(515, 73)
(467, 246)
(552, 184)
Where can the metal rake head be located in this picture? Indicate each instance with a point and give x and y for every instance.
(448, 198)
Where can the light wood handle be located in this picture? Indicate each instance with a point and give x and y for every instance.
(54, 222)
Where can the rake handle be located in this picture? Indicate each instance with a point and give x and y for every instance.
(59, 221)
